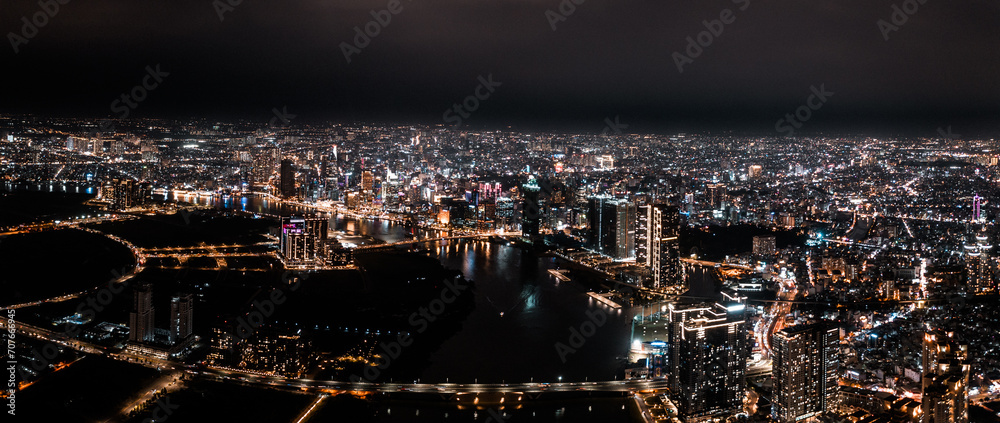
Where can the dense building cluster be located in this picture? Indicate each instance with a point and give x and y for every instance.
(858, 273)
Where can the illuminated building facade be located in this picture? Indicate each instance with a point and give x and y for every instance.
(531, 210)
(266, 349)
(140, 319)
(276, 351)
(977, 208)
(979, 267)
(301, 238)
(124, 193)
(367, 182)
(601, 215)
(805, 372)
(612, 227)
(945, 379)
(222, 347)
(490, 190)
(764, 246)
(264, 161)
(149, 150)
(504, 212)
(658, 244)
(716, 195)
(287, 187)
(181, 315)
(336, 254)
(625, 221)
(709, 346)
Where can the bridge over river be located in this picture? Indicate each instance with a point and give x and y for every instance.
(446, 390)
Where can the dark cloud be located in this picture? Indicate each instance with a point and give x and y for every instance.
(609, 57)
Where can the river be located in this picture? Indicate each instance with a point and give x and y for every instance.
(538, 311)
(526, 324)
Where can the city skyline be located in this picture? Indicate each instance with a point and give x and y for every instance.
(738, 270)
(587, 211)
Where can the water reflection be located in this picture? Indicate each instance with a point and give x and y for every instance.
(517, 345)
(54, 187)
(520, 315)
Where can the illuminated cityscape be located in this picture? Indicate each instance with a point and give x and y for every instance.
(820, 285)
(540, 211)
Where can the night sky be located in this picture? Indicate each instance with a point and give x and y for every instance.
(607, 58)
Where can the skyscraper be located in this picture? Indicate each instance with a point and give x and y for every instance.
(265, 160)
(601, 214)
(945, 379)
(367, 181)
(317, 227)
(977, 211)
(149, 151)
(116, 147)
(531, 210)
(490, 190)
(97, 147)
(504, 211)
(658, 245)
(124, 193)
(716, 195)
(625, 220)
(978, 266)
(612, 227)
(293, 238)
(708, 349)
(805, 371)
(140, 319)
(287, 179)
(301, 238)
(181, 314)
